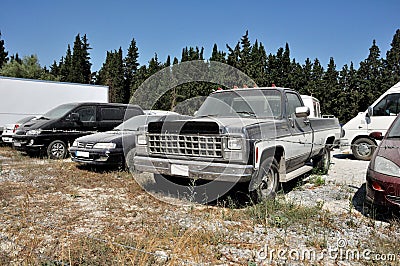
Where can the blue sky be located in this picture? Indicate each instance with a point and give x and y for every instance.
(342, 29)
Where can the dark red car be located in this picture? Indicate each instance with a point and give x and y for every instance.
(383, 175)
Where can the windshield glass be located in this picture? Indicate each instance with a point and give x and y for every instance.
(245, 103)
(135, 122)
(59, 111)
(395, 130)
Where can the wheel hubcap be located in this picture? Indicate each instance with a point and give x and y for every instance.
(57, 150)
(364, 149)
(267, 183)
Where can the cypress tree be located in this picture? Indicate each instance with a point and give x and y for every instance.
(66, 66)
(3, 53)
(392, 62)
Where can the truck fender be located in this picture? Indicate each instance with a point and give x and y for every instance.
(279, 154)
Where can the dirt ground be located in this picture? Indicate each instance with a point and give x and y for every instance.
(57, 212)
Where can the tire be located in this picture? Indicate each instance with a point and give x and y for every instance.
(363, 149)
(268, 178)
(57, 150)
(323, 161)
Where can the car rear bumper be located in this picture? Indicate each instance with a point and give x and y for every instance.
(228, 172)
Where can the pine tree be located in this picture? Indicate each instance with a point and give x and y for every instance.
(3, 53)
(245, 61)
(370, 78)
(86, 65)
(330, 90)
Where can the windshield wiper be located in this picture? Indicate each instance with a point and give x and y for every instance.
(249, 113)
(209, 115)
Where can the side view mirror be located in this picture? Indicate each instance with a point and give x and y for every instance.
(302, 111)
(74, 117)
(370, 111)
(376, 135)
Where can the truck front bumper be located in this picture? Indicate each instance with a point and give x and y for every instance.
(228, 172)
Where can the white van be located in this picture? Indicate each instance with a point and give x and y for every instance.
(378, 117)
(313, 104)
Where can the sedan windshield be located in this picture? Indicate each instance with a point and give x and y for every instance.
(59, 111)
(395, 129)
(135, 122)
(245, 103)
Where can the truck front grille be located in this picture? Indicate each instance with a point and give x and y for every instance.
(188, 145)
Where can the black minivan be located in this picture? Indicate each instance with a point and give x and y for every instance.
(58, 128)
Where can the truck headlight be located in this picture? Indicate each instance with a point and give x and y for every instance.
(141, 139)
(34, 132)
(386, 167)
(235, 144)
(105, 145)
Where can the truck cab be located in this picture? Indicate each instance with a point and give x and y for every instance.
(377, 118)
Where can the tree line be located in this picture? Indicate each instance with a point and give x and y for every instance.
(342, 93)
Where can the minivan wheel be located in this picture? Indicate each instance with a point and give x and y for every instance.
(57, 150)
(363, 149)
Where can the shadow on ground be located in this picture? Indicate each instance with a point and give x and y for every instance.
(380, 214)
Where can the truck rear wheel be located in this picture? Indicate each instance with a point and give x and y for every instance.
(268, 181)
(57, 150)
(323, 161)
(363, 149)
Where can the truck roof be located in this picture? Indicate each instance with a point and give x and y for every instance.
(256, 88)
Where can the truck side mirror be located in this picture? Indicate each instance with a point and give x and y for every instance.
(376, 135)
(302, 111)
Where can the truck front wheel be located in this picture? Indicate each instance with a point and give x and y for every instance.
(267, 181)
(57, 150)
(363, 149)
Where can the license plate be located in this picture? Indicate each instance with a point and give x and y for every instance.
(84, 154)
(5, 139)
(178, 169)
(17, 144)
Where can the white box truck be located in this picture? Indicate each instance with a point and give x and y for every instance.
(20, 98)
(377, 118)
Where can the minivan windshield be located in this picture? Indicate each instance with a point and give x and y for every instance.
(244, 103)
(395, 130)
(59, 111)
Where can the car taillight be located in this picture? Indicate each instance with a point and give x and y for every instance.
(15, 128)
(376, 186)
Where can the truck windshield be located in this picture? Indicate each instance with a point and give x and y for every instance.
(244, 103)
(59, 111)
(395, 130)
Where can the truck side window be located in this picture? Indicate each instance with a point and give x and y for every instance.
(87, 114)
(293, 101)
(389, 105)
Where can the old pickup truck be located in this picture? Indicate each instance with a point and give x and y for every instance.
(261, 136)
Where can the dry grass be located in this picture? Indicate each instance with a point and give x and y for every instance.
(53, 212)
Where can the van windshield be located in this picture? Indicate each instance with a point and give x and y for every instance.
(58, 112)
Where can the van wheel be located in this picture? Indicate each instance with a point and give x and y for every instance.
(323, 161)
(363, 149)
(57, 150)
(268, 178)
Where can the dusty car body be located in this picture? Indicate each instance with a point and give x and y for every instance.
(383, 174)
